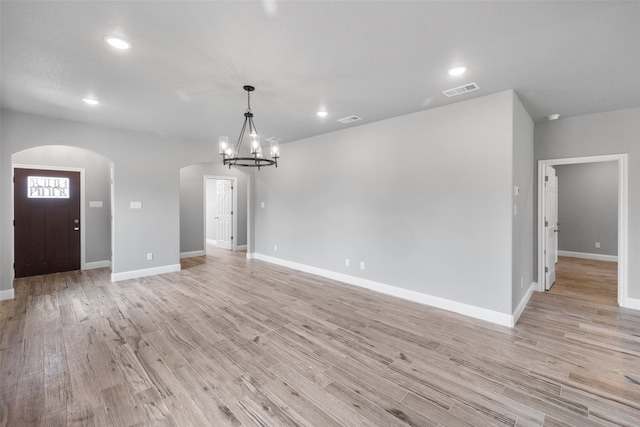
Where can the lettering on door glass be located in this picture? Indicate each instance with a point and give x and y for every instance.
(43, 187)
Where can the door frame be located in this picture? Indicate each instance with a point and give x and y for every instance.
(15, 166)
(623, 207)
(234, 225)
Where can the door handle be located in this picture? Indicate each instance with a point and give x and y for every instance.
(76, 228)
(556, 231)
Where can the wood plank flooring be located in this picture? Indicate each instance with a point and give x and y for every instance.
(588, 279)
(232, 342)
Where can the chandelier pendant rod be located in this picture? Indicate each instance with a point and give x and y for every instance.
(244, 126)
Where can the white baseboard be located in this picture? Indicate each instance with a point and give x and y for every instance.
(251, 255)
(241, 248)
(134, 274)
(97, 264)
(585, 255)
(523, 302)
(212, 242)
(7, 294)
(443, 303)
(191, 254)
(632, 303)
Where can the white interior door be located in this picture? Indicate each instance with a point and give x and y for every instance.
(224, 214)
(550, 226)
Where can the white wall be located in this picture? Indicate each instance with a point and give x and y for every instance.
(425, 200)
(614, 132)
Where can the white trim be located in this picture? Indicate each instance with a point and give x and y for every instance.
(623, 225)
(7, 294)
(250, 216)
(586, 255)
(523, 302)
(623, 233)
(112, 190)
(212, 242)
(241, 248)
(191, 254)
(82, 202)
(450, 305)
(632, 303)
(97, 264)
(134, 274)
(251, 255)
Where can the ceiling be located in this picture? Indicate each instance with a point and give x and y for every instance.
(183, 78)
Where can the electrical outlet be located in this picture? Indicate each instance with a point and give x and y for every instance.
(521, 282)
(598, 245)
(275, 248)
(149, 256)
(346, 262)
(361, 265)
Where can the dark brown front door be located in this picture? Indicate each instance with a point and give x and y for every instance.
(47, 221)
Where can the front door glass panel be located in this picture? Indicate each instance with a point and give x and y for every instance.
(43, 187)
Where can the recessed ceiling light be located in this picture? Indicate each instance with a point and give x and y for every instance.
(90, 101)
(118, 42)
(553, 116)
(456, 71)
(322, 113)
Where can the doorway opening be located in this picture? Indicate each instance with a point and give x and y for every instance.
(221, 208)
(545, 205)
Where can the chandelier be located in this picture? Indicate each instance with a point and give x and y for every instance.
(254, 156)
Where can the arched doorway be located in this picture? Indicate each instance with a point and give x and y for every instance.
(193, 207)
(95, 195)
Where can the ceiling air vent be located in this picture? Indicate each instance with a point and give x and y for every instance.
(461, 89)
(349, 119)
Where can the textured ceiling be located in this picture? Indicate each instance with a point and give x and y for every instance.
(184, 76)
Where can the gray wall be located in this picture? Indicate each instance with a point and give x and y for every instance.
(614, 132)
(588, 207)
(192, 227)
(97, 223)
(523, 237)
(146, 168)
(425, 200)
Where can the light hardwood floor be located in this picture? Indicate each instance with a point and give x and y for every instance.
(228, 341)
(587, 279)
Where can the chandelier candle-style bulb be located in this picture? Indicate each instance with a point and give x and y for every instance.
(223, 145)
(255, 144)
(275, 147)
